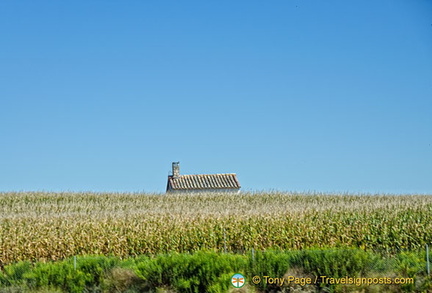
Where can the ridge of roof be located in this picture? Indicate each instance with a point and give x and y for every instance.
(204, 181)
(206, 174)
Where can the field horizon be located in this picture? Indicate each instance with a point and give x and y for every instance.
(162, 241)
(43, 226)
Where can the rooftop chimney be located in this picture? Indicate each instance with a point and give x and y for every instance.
(176, 169)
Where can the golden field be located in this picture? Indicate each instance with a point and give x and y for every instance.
(40, 226)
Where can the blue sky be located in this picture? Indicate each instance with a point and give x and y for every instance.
(327, 96)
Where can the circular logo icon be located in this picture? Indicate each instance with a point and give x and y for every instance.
(238, 280)
(256, 280)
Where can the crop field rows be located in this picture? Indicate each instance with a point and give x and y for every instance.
(40, 226)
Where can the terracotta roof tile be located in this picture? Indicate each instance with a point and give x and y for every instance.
(206, 181)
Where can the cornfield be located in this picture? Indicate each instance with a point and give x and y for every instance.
(39, 226)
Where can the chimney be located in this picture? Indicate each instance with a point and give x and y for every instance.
(176, 170)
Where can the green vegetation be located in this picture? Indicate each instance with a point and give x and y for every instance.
(55, 226)
(211, 272)
(195, 242)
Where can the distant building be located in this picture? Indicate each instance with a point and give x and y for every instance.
(201, 183)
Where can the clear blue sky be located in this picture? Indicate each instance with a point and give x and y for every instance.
(292, 95)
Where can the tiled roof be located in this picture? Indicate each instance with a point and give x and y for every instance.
(212, 181)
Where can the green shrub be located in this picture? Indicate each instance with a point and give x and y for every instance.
(89, 274)
(410, 265)
(195, 273)
(13, 274)
(57, 275)
(96, 269)
(334, 262)
(207, 271)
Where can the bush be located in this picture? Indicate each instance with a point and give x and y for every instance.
(194, 273)
(13, 274)
(334, 262)
(207, 271)
(57, 275)
(89, 274)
